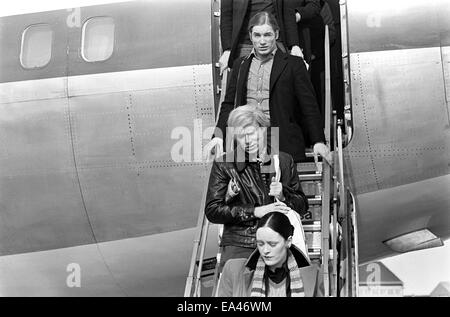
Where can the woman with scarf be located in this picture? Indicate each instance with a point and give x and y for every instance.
(275, 269)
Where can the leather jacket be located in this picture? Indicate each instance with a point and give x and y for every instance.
(237, 214)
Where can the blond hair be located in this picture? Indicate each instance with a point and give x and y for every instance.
(246, 115)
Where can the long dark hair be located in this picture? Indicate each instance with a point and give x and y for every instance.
(262, 18)
(278, 222)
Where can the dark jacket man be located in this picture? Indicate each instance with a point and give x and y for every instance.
(292, 103)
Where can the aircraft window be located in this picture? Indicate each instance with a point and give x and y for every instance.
(97, 39)
(36, 48)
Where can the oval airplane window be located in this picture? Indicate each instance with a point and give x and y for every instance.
(97, 42)
(36, 48)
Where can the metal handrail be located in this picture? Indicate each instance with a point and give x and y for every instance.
(326, 173)
(348, 123)
(335, 231)
(343, 211)
(216, 276)
(343, 199)
(200, 240)
(203, 223)
(197, 289)
(328, 111)
(355, 236)
(216, 50)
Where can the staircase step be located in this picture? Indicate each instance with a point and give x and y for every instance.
(316, 254)
(311, 226)
(311, 188)
(309, 152)
(315, 200)
(310, 177)
(307, 167)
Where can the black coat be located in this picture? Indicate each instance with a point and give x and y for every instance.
(232, 17)
(237, 215)
(309, 11)
(292, 103)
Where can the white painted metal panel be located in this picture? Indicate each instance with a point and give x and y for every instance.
(122, 126)
(399, 116)
(154, 265)
(41, 202)
(136, 80)
(28, 90)
(446, 70)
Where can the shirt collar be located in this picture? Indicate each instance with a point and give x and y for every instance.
(264, 159)
(272, 54)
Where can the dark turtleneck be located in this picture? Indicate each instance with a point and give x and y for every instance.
(278, 276)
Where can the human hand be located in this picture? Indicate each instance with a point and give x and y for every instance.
(306, 65)
(296, 51)
(233, 189)
(223, 61)
(298, 17)
(276, 189)
(322, 150)
(276, 206)
(213, 148)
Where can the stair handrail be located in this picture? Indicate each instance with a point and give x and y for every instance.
(355, 235)
(326, 170)
(348, 121)
(199, 242)
(202, 222)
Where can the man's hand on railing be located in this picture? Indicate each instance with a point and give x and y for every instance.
(223, 61)
(213, 149)
(322, 150)
(296, 51)
(306, 65)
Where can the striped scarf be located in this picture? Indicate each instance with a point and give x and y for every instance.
(296, 283)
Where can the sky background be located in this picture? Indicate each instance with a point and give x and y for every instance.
(420, 271)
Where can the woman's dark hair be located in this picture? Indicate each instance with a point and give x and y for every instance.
(278, 222)
(262, 18)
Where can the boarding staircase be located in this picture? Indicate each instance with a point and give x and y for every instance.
(329, 224)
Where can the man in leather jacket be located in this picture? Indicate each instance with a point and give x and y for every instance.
(242, 187)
